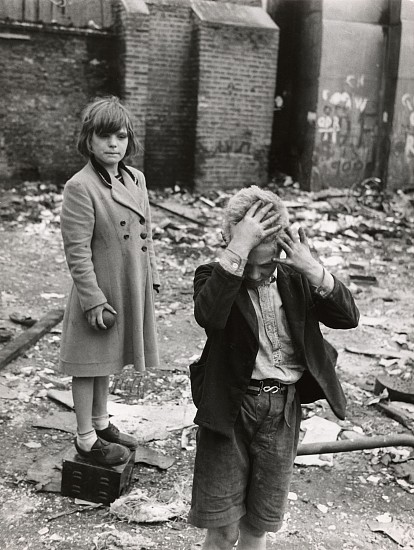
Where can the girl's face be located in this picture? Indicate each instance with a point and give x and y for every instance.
(109, 149)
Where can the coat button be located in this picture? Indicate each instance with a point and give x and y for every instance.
(142, 221)
(122, 223)
(143, 235)
(126, 237)
(144, 249)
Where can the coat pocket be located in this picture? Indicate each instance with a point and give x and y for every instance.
(197, 373)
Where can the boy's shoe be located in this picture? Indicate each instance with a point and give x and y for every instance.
(105, 453)
(113, 435)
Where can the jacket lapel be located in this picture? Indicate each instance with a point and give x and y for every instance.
(247, 309)
(292, 293)
(129, 195)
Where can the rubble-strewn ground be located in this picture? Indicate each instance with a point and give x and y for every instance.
(331, 507)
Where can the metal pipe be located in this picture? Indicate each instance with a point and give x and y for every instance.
(358, 444)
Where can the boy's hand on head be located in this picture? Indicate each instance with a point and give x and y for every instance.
(298, 254)
(257, 224)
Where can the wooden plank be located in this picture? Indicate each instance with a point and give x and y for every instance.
(94, 11)
(31, 10)
(59, 14)
(107, 16)
(45, 12)
(80, 13)
(12, 9)
(76, 13)
(29, 337)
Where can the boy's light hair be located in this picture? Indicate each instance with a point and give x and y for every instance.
(240, 203)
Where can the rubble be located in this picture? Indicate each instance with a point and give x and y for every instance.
(359, 240)
(115, 539)
(138, 507)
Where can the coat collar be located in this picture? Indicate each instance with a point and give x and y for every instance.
(129, 194)
(104, 174)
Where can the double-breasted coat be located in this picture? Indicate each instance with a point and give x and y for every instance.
(106, 230)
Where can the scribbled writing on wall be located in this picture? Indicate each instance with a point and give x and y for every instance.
(401, 159)
(407, 101)
(346, 126)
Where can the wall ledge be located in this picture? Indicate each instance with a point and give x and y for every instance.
(223, 13)
(135, 6)
(19, 26)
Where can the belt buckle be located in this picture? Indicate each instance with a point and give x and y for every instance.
(271, 389)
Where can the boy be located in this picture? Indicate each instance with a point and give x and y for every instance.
(264, 355)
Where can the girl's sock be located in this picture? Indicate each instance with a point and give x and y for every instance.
(85, 441)
(100, 422)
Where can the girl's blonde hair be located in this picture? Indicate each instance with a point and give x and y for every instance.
(102, 116)
(240, 203)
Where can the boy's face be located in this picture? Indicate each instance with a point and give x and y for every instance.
(261, 264)
(109, 149)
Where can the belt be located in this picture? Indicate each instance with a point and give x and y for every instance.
(269, 385)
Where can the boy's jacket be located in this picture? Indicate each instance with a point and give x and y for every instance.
(222, 306)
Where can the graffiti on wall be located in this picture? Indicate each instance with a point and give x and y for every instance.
(401, 160)
(345, 134)
(407, 101)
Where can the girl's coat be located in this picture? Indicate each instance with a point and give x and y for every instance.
(106, 228)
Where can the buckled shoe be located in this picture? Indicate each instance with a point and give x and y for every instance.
(105, 453)
(113, 435)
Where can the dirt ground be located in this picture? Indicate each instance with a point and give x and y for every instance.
(337, 506)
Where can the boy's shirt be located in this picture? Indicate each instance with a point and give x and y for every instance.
(276, 357)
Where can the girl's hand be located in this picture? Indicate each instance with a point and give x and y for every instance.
(257, 223)
(94, 316)
(298, 254)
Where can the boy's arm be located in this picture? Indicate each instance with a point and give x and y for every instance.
(215, 290)
(337, 309)
(334, 304)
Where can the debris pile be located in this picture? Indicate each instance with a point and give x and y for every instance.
(138, 507)
(365, 236)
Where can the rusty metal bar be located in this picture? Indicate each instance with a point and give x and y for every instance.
(359, 444)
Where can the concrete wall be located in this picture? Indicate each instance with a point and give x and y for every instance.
(348, 111)
(401, 133)
(337, 91)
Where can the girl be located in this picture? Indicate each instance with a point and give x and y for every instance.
(106, 230)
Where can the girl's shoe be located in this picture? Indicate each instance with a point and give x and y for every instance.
(105, 453)
(113, 435)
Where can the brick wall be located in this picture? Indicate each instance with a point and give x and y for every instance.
(131, 50)
(189, 84)
(236, 81)
(170, 122)
(46, 77)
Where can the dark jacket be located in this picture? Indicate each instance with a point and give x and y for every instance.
(220, 377)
